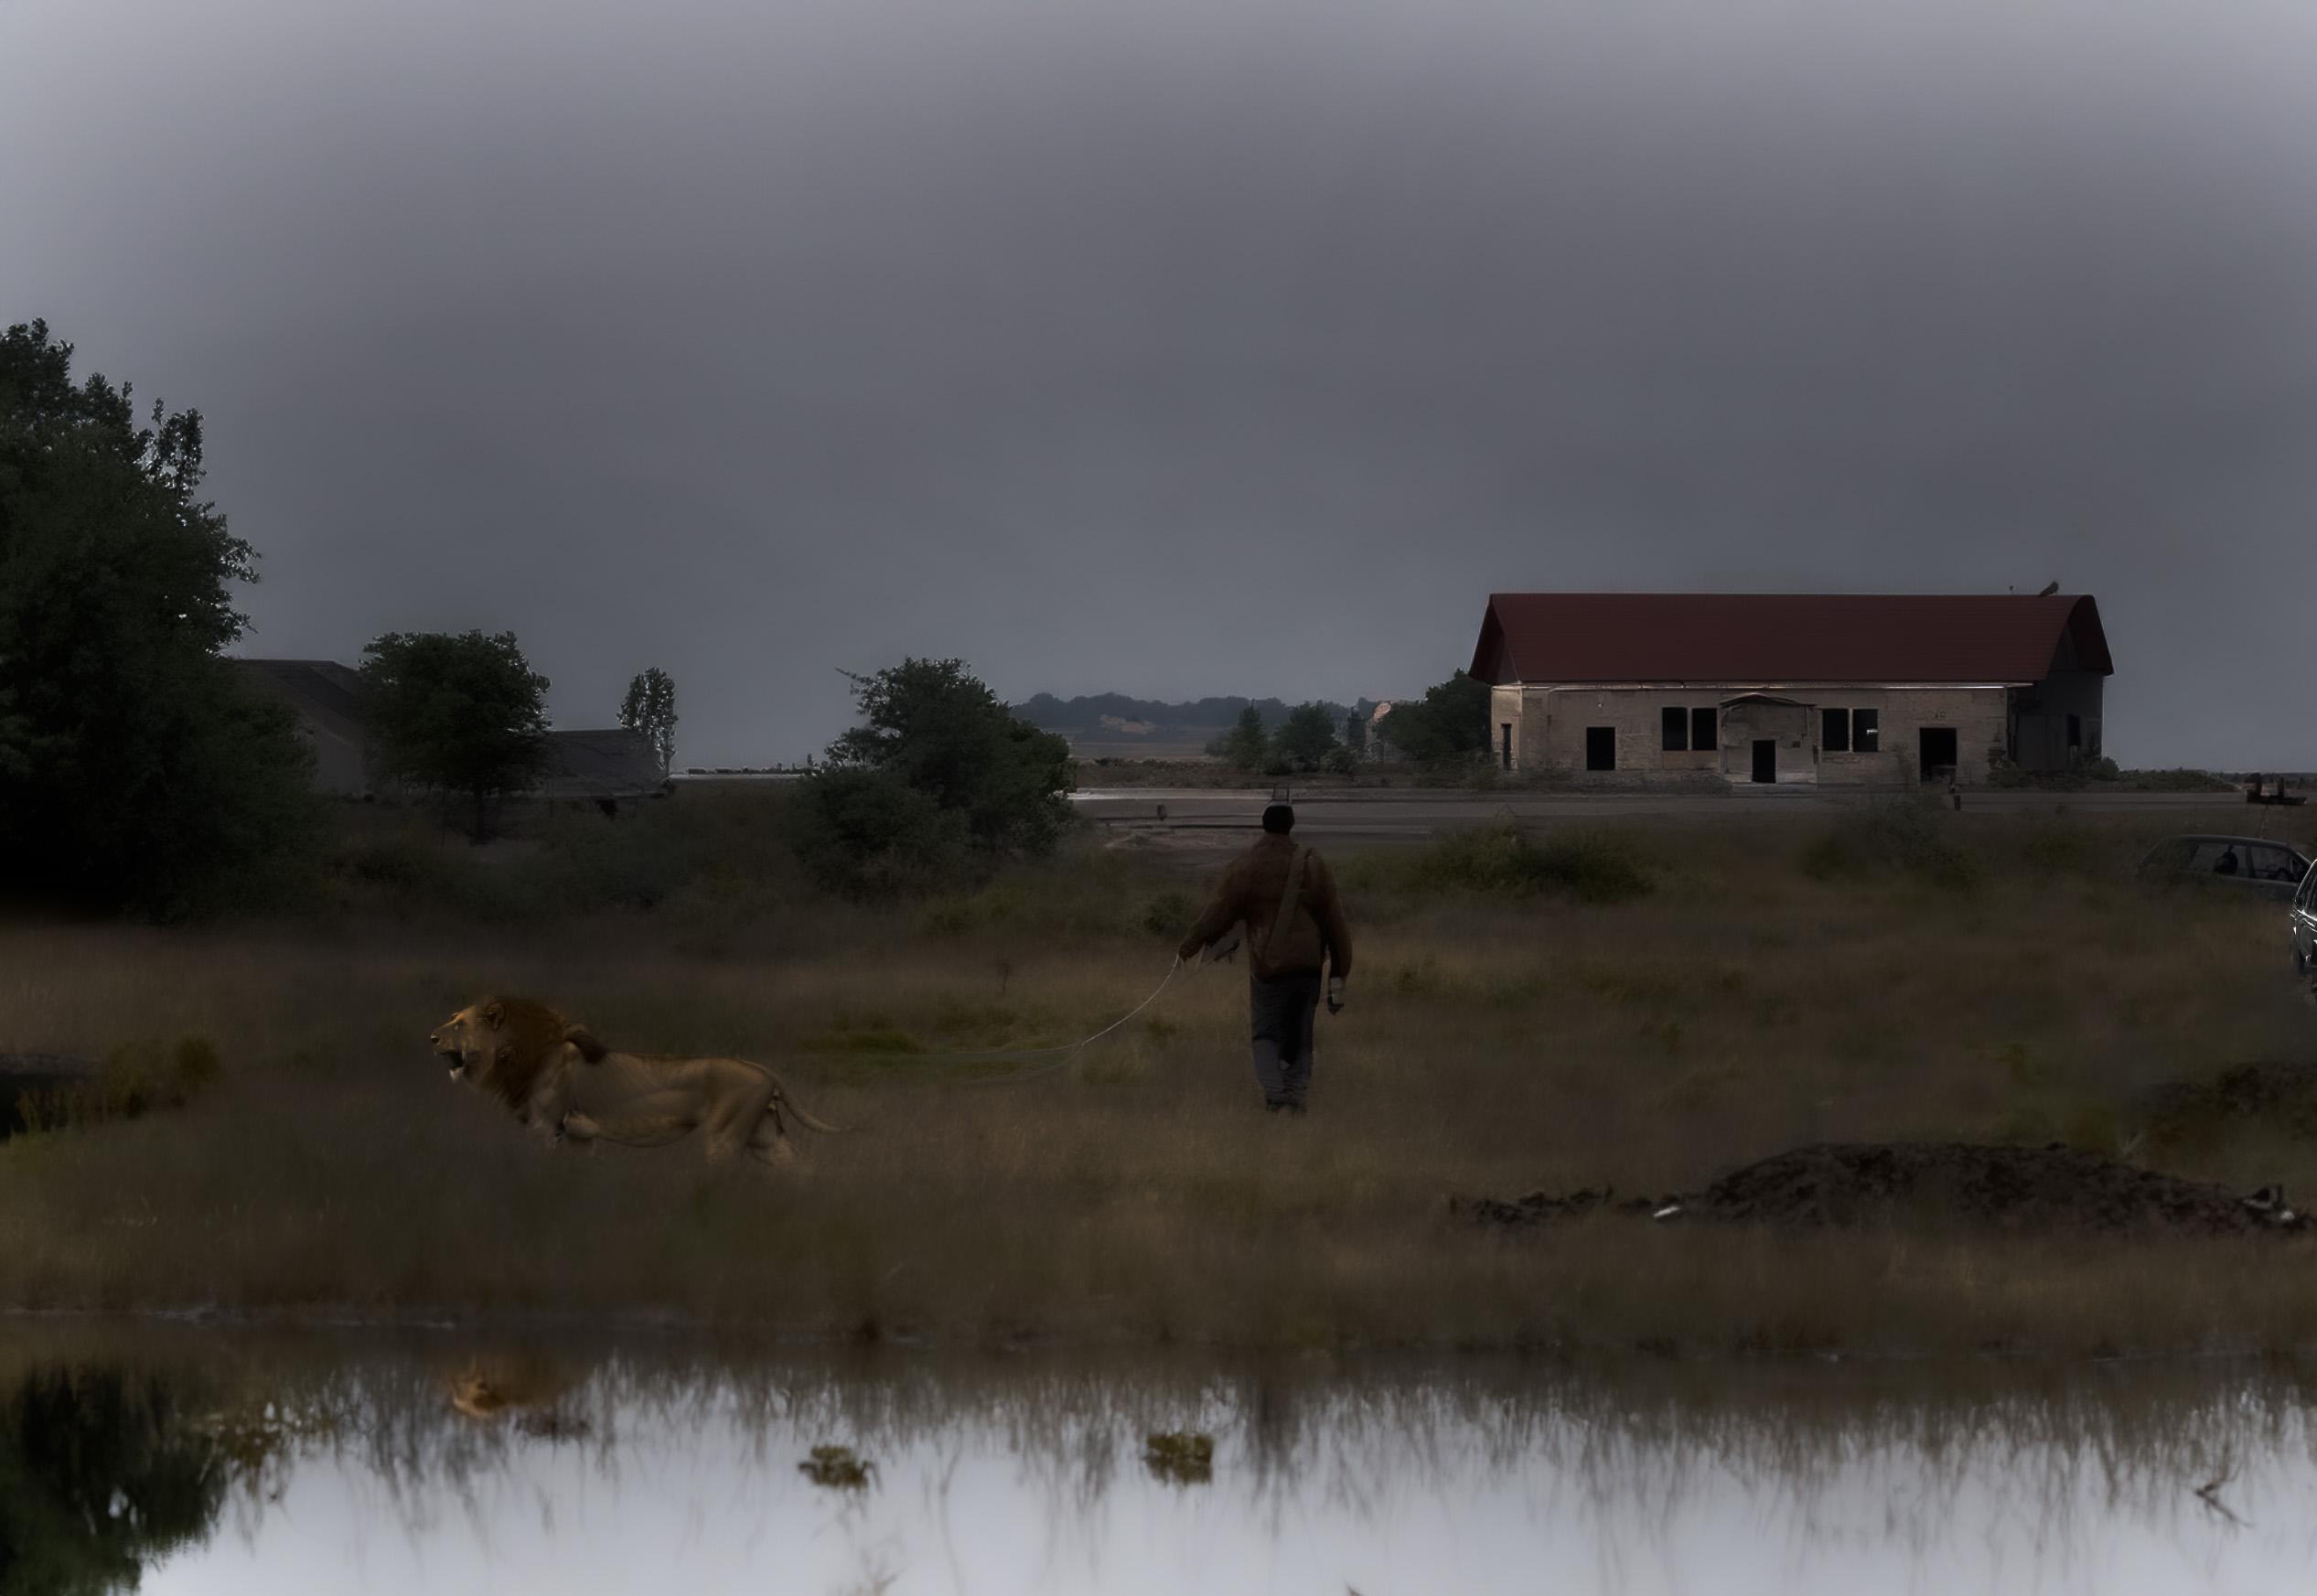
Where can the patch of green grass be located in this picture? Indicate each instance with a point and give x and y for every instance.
(1503, 861)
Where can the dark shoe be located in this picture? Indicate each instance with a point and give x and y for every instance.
(1280, 1106)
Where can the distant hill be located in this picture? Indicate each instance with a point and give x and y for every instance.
(1114, 725)
(1110, 710)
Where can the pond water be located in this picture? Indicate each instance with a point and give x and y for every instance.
(201, 1461)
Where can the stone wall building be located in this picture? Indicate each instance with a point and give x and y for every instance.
(1855, 688)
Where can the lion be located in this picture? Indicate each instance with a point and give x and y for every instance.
(556, 1079)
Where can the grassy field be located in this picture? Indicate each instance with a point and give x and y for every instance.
(1782, 980)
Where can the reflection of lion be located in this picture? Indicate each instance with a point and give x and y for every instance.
(531, 1391)
(563, 1083)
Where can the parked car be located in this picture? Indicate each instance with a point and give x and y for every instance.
(2254, 863)
(2303, 920)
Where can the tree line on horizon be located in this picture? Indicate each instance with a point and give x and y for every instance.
(139, 769)
(142, 771)
(1446, 726)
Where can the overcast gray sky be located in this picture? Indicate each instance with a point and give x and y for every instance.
(1175, 347)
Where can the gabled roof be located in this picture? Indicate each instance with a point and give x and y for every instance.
(1763, 638)
(322, 688)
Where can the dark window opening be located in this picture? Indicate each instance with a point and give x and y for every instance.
(1938, 753)
(1765, 759)
(1866, 731)
(1601, 747)
(1705, 736)
(1834, 735)
(1675, 727)
(1507, 727)
(2075, 731)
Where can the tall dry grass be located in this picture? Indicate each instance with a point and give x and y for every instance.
(1498, 1041)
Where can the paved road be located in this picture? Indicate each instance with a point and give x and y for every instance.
(1210, 818)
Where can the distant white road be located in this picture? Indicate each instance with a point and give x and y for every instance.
(1373, 816)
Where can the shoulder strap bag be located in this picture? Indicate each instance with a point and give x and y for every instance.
(1276, 948)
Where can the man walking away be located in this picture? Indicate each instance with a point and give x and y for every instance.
(1286, 898)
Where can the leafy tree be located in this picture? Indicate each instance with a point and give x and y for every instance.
(1307, 741)
(649, 709)
(459, 713)
(1247, 746)
(1448, 725)
(137, 766)
(1355, 734)
(937, 771)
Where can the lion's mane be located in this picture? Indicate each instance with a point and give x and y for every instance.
(533, 1032)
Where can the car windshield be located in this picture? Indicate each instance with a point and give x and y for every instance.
(2274, 864)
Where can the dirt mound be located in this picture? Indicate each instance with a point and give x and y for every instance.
(2023, 1186)
(2008, 1187)
(1545, 1205)
(2281, 1095)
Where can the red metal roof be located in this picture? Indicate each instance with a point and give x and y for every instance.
(1761, 637)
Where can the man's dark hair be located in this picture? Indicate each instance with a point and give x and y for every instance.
(1279, 818)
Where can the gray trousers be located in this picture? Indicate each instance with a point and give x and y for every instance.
(1280, 1009)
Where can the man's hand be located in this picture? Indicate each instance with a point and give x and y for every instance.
(1334, 994)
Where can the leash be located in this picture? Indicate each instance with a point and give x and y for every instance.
(1069, 1051)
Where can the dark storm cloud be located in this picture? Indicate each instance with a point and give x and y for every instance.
(1178, 351)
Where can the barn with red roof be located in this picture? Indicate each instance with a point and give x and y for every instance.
(1793, 688)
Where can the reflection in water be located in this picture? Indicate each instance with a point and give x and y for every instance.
(255, 1464)
(100, 1473)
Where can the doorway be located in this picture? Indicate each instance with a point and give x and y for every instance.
(1601, 747)
(1938, 753)
(1765, 759)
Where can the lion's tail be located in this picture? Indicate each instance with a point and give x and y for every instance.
(809, 1123)
(789, 1104)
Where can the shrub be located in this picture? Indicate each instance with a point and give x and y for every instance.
(1168, 917)
(2180, 778)
(868, 833)
(137, 1076)
(1590, 867)
(1910, 835)
(403, 863)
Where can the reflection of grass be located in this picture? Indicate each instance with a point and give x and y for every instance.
(837, 1468)
(1184, 1457)
(1495, 1042)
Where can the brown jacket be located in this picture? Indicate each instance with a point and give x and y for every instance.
(1250, 890)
